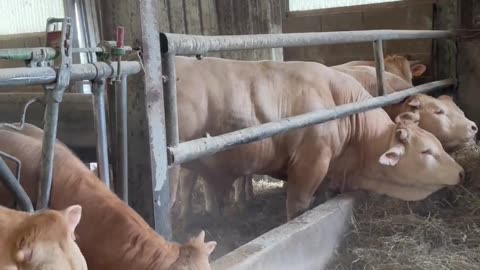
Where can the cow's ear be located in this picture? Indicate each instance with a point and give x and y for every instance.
(200, 239)
(445, 97)
(414, 103)
(407, 117)
(418, 69)
(72, 216)
(392, 156)
(210, 246)
(24, 252)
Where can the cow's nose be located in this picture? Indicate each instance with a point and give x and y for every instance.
(474, 128)
(461, 176)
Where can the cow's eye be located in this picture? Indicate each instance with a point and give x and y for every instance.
(439, 111)
(427, 152)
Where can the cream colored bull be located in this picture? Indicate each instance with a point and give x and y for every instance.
(440, 116)
(395, 64)
(371, 152)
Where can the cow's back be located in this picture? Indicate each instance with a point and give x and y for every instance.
(217, 96)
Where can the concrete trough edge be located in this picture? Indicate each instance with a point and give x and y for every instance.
(306, 242)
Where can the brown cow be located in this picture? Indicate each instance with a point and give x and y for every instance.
(43, 240)
(219, 96)
(111, 235)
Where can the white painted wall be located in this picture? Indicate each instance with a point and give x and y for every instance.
(27, 16)
(297, 5)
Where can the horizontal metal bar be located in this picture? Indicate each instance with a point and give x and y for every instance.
(202, 147)
(27, 53)
(196, 45)
(47, 75)
(95, 49)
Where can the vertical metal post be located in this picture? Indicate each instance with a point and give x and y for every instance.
(49, 140)
(121, 164)
(149, 193)
(154, 104)
(98, 100)
(112, 134)
(379, 65)
(170, 96)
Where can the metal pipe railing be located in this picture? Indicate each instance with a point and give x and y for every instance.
(198, 45)
(202, 147)
(121, 160)
(170, 96)
(46, 75)
(379, 66)
(12, 184)
(44, 53)
(98, 93)
(26, 54)
(49, 140)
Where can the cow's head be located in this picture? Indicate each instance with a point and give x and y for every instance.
(402, 67)
(441, 117)
(415, 163)
(46, 241)
(194, 255)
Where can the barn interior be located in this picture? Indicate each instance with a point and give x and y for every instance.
(371, 231)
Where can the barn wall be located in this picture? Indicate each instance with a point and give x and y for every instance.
(468, 61)
(409, 14)
(225, 17)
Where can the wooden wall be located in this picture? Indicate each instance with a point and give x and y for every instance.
(225, 17)
(409, 14)
(468, 61)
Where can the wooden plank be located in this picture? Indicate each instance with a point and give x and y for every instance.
(209, 17)
(226, 23)
(193, 24)
(244, 25)
(176, 16)
(359, 8)
(208, 14)
(163, 18)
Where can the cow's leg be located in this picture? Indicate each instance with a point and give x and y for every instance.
(216, 194)
(187, 182)
(211, 199)
(239, 188)
(242, 195)
(249, 188)
(303, 180)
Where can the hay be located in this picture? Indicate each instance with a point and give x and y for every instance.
(441, 232)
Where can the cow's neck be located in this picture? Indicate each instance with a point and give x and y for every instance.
(112, 235)
(371, 138)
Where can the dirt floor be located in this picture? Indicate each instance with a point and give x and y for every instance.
(265, 212)
(441, 232)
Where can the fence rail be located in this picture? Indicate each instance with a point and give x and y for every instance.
(179, 44)
(197, 45)
(194, 149)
